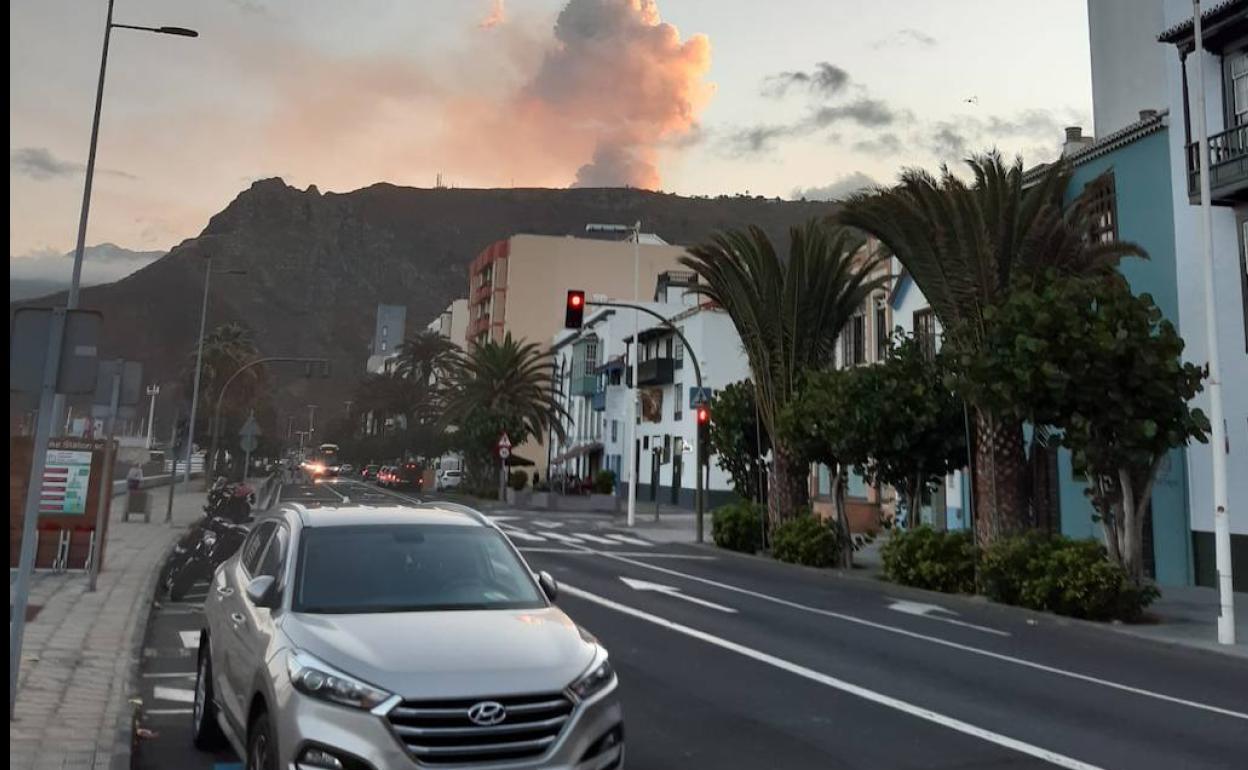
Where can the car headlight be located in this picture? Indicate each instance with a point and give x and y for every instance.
(599, 675)
(318, 679)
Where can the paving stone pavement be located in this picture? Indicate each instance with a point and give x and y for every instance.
(80, 654)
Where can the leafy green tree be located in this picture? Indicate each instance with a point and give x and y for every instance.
(227, 348)
(895, 423)
(1104, 368)
(738, 439)
(788, 313)
(966, 245)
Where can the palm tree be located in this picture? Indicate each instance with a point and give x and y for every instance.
(965, 245)
(788, 314)
(425, 356)
(226, 348)
(501, 387)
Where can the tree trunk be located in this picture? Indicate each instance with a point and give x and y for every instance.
(842, 518)
(1000, 473)
(788, 487)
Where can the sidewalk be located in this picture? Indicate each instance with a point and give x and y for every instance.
(81, 650)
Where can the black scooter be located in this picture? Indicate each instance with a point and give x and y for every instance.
(211, 541)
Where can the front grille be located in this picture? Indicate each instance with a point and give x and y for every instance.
(440, 732)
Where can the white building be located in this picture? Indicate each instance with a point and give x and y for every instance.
(388, 334)
(1143, 58)
(452, 323)
(593, 368)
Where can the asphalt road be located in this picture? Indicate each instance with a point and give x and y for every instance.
(735, 662)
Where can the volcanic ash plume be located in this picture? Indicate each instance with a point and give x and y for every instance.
(621, 77)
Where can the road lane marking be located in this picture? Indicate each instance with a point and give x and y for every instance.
(190, 639)
(595, 538)
(888, 701)
(170, 675)
(522, 535)
(176, 694)
(543, 523)
(562, 538)
(634, 554)
(923, 610)
(165, 712)
(631, 540)
(934, 639)
(646, 585)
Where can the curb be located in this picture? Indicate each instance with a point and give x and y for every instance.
(978, 601)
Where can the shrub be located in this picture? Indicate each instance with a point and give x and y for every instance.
(604, 482)
(1010, 564)
(925, 558)
(808, 540)
(738, 526)
(518, 480)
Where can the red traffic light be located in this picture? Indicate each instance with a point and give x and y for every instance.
(704, 415)
(574, 314)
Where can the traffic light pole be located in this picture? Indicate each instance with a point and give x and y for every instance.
(697, 373)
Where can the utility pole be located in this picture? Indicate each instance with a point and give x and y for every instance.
(1217, 434)
(311, 421)
(152, 391)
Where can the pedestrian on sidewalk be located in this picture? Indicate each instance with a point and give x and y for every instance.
(134, 478)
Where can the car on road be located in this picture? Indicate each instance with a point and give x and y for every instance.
(378, 638)
(369, 472)
(385, 475)
(449, 479)
(409, 474)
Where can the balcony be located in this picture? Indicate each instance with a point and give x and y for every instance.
(1228, 168)
(584, 386)
(656, 371)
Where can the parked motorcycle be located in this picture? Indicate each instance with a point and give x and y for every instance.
(211, 541)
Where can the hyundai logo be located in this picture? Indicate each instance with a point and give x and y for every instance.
(487, 713)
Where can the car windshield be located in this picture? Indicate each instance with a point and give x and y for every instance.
(410, 568)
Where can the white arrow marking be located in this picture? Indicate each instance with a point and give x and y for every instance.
(925, 611)
(190, 639)
(174, 694)
(646, 585)
(562, 538)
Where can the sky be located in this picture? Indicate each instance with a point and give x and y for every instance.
(699, 97)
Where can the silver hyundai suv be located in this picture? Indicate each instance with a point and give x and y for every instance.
(371, 638)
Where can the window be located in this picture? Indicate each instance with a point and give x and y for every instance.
(383, 346)
(678, 402)
(1102, 209)
(667, 348)
(254, 546)
(679, 353)
(846, 345)
(859, 327)
(881, 330)
(274, 558)
(925, 332)
(615, 431)
(591, 356)
(1237, 70)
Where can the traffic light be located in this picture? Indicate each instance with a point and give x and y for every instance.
(704, 432)
(574, 313)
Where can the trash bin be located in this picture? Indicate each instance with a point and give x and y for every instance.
(138, 503)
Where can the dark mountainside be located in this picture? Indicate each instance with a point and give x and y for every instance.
(318, 264)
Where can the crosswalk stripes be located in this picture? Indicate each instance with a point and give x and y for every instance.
(176, 694)
(629, 540)
(601, 538)
(190, 639)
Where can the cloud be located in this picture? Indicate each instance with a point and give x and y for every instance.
(497, 15)
(867, 112)
(40, 164)
(619, 73)
(1032, 130)
(826, 79)
(101, 263)
(758, 140)
(907, 37)
(842, 187)
(884, 145)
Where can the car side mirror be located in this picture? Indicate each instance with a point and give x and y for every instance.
(262, 592)
(548, 584)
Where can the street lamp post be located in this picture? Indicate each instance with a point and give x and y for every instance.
(199, 359)
(1217, 434)
(58, 407)
(633, 465)
(152, 391)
